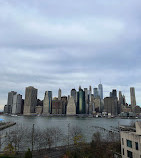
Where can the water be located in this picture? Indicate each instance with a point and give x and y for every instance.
(86, 124)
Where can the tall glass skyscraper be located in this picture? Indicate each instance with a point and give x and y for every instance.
(96, 92)
(81, 109)
(100, 91)
(47, 103)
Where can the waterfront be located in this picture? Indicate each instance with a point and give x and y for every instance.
(86, 124)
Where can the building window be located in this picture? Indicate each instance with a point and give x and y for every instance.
(129, 154)
(122, 141)
(123, 151)
(129, 143)
(136, 146)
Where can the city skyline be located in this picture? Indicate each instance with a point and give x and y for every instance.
(59, 44)
(63, 93)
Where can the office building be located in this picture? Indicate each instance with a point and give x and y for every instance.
(17, 104)
(71, 108)
(59, 94)
(113, 93)
(100, 91)
(10, 100)
(81, 109)
(90, 93)
(47, 103)
(131, 141)
(57, 107)
(96, 93)
(30, 100)
(97, 104)
(86, 100)
(7, 109)
(64, 104)
(133, 97)
(110, 105)
(74, 95)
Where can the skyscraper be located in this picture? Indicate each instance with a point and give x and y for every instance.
(71, 108)
(114, 93)
(86, 100)
(47, 103)
(74, 95)
(100, 91)
(96, 92)
(64, 104)
(81, 109)
(59, 94)
(133, 97)
(17, 104)
(90, 93)
(30, 100)
(10, 100)
(110, 105)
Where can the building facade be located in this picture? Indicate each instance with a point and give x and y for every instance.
(30, 100)
(74, 95)
(10, 100)
(96, 92)
(71, 108)
(59, 94)
(133, 97)
(57, 107)
(81, 109)
(100, 91)
(131, 141)
(110, 105)
(17, 104)
(47, 103)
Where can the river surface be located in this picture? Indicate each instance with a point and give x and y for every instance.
(86, 124)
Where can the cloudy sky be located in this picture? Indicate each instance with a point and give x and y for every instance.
(51, 44)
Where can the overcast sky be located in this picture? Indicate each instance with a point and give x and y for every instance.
(52, 44)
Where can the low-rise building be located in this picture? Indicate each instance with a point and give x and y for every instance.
(131, 141)
(39, 109)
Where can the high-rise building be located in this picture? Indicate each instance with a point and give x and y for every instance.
(86, 100)
(124, 100)
(7, 109)
(110, 105)
(96, 93)
(120, 98)
(47, 103)
(30, 100)
(71, 108)
(64, 104)
(10, 100)
(114, 93)
(90, 93)
(100, 91)
(81, 109)
(133, 97)
(97, 104)
(17, 104)
(74, 95)
(59, 94)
